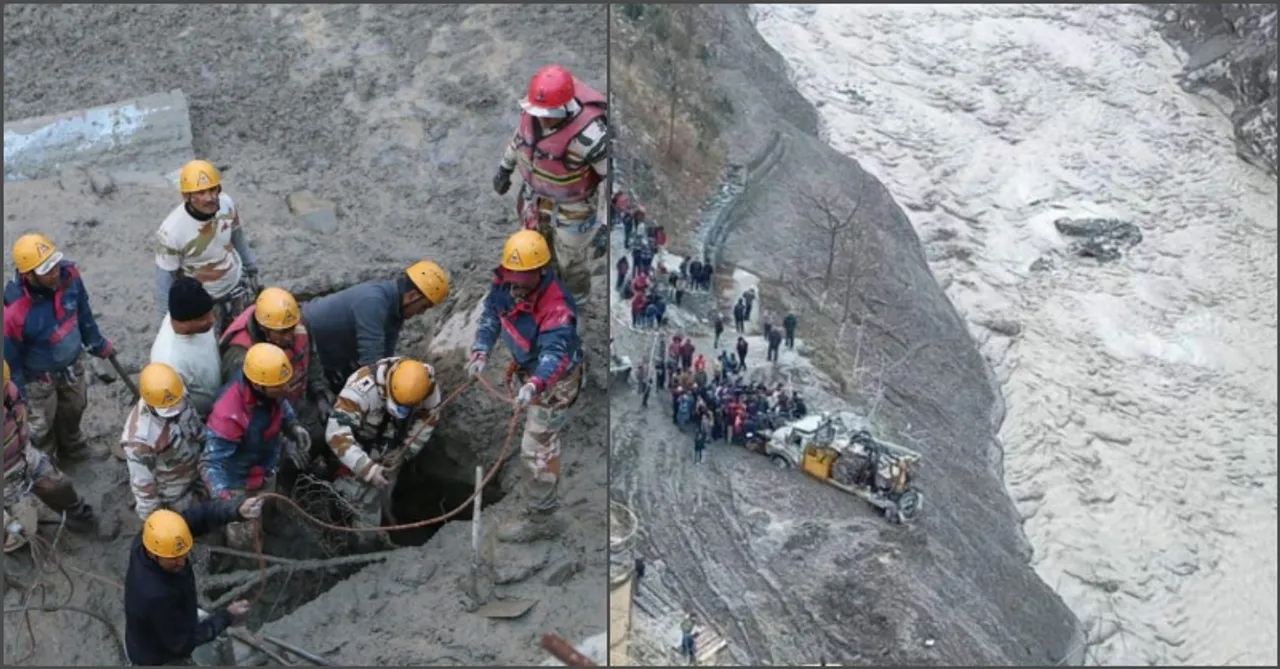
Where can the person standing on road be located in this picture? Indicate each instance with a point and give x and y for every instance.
(749, 300)
(688, 640)
(719, 324)
(186, 342)
(740, 316)
(699, 442)
(203, 238)
(537, 318)
(774, 340)
(47, 323)
(162, 622)
(789, 325)
(622, 267)
(562, 152)
(742, 354)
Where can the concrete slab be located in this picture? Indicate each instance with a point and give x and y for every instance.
(149, 135)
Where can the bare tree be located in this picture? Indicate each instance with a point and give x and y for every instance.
(835, 217)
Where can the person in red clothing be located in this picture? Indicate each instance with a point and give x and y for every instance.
(640, 283)
(637, 309)
(700, 363)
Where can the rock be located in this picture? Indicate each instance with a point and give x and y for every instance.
(1102, 238)
(1232, 51)
(101, 183)
(1006, 327)
(314, 213)
(74, 180)
(561, 573)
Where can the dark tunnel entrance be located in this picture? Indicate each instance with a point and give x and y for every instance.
(433, 486)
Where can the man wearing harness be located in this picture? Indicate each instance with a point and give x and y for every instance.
(47, 323)
(203, 238)
(275, 318)
(245, 431)
(537, 318)
(381, 420)
(562, 152)
(30, 473)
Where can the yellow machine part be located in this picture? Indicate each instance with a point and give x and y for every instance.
(818, 462)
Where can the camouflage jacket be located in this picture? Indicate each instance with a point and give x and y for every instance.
(360, 428)
(162, 455)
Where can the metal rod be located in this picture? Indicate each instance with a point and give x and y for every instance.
(566, 653)
(124, 376)
(300, 652)
(475, 515)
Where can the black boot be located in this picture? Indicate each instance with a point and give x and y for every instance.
(81, 518)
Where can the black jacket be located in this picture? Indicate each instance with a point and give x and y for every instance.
(160, 619)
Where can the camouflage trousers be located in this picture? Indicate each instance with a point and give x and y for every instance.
(55, 406)
(240, 535)
(36, 478)
(571, 249)
(540, 444)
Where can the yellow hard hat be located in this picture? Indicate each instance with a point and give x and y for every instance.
(35, 253)
(410, 383)
(267, 365)
(276, 309)
(431, 280)
(166, 534)
(160, 386)
(198, 175)
(526, 250)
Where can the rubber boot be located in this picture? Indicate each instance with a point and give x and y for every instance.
(531, 526)
(81, 518)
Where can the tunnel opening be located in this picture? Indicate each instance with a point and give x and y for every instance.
(436, 485)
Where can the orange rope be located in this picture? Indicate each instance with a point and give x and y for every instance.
(493, 471)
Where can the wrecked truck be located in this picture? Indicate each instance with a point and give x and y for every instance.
(831, 450)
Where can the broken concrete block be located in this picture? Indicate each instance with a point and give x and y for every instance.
(314, 213)
(562, 573)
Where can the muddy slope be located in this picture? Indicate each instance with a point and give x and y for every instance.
(846, 586)
(397, 113)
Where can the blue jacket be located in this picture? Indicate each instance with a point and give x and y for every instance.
(241, 433)
(160, 620)
(542, 331)
(45, 331)
(355, 327)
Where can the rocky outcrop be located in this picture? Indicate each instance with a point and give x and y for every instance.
(956, 588)
(1232, 49)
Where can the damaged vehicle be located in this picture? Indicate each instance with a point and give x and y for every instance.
(852, 460)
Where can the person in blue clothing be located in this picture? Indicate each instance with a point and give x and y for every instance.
(529, 308)
(47, 324)
(245, 432)
(162, 623)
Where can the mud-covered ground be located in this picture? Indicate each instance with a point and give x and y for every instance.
(398, 113)
(790, 571)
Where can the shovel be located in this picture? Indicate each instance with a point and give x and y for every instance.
(122, 375)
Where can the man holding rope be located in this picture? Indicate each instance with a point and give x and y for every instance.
(244, 434)
(381, 420)
(538, 319)
(163, 624)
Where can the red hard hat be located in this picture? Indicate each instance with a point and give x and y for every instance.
(550, 89)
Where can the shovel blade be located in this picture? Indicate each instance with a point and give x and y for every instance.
(507, 609)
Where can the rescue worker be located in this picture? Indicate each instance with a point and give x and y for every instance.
(47, 321)
(186, 343)
(162, 624)
(562, 152)
(537, 318)
(381, 420)
(202, 238)
(162, 441)
(275, 318)
(243, 435)
(30, 473)
(361, 325)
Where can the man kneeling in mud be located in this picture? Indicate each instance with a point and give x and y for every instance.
(382, 419)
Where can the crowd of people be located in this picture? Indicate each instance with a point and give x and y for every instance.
(714, 400)
(243, 380)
